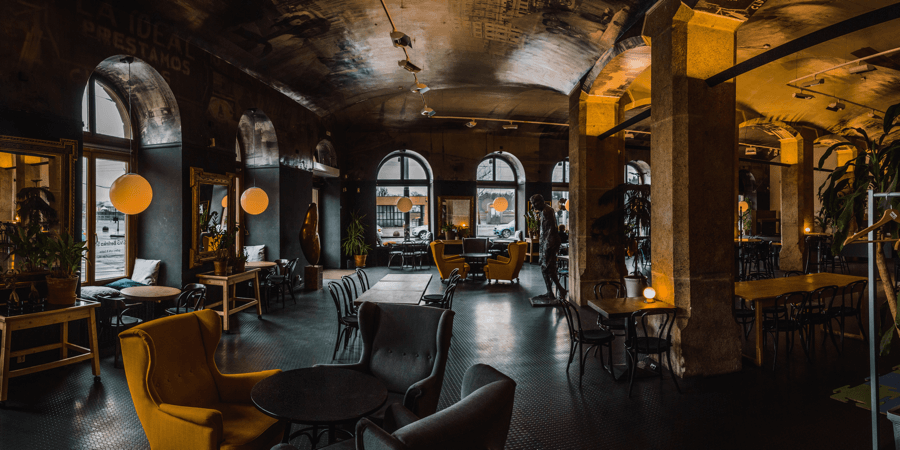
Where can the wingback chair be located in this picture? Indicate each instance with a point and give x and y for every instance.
(181, 398)
(446, 264)
(503, 268)
(405, 346)
(479, 421)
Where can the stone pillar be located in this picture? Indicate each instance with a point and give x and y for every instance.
(796, 198)
(692, 148)
(594, 167)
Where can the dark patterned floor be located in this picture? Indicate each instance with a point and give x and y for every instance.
(64, 409)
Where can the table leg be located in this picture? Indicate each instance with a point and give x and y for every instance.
(64, 339)
(95, 348)
(258, 299)
(759, 335)
(330, 434)
(4, 363)
(287, 433)
(225, 301)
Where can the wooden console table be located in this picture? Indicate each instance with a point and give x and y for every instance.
(227, 283)
(534, 250)
(52, 315)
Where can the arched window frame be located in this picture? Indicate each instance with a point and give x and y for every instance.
(481, 184)
(384, 212)
(90, 122)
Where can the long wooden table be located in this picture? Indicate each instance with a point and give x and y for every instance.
(52, 315)
(763, 292)
(397, 289)
(227, 283)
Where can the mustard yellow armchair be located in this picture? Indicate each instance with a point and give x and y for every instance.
(181, 398)
(503, 268)
(446, 264)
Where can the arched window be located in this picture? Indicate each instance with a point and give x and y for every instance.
(496, 178)
(559, 180)
(103, 112)
(402, 175)
(637, 172)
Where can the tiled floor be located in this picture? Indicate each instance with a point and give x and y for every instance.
(64, 409)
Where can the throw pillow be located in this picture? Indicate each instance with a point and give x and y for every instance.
(145, 271)
(90, 292)
(255, 252)
(124, 283)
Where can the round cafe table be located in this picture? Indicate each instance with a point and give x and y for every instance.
(150, 294)
(477, 261)
(318, 396)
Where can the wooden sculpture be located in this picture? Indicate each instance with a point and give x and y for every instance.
(309, 235)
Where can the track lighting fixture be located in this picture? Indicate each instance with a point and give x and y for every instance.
(471, 123)
(400, 39)
(510, 126)
(406, 65)
(803, 96)
(419, 88)
(428, 112)
(862, 68)
(814, 82)
(629, 135)
(874, 116)
(835, 106)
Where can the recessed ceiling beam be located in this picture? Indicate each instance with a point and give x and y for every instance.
(640, 117)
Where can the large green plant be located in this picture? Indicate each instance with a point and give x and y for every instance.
(30, 247)
(355, 242)
(628, 224)
(65, 255)
(844, 197)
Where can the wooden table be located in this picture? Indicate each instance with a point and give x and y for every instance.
(763, 293)
(52, 315)
(399, 289)
(747, 240)
(150, 293)
(227, 283)
(622, 308)
(259, 264)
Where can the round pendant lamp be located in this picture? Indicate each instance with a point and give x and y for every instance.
(225, 201)
(130, 193)
(567, 205)
(500, 204)
(404, 205)
(743, 207)
(254, 201)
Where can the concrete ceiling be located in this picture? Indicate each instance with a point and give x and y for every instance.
(513, 59)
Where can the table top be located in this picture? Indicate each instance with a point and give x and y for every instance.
(240, 276)
(426, 277)
(399, 289)
(748, 240)
(150, 293)
(259, 264)
(773, 287)
(476, 255)
(615, 308)
(400, 285)
(49, 309)
(319, 395)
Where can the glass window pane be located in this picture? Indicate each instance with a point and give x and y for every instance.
(110, 114)
(109, 254)
(493, 223)
(566, 170)
(505, 172)
(416, 171)
(84, 177)
(557, 176)
(85, 116)
(393, 224)
(558, 202)
(631, 175)
(390, 170)
(485, 171)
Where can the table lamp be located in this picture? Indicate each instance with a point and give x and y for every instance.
(649, 294)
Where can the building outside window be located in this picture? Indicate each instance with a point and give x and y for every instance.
(559, 181)
(402, 176)
(495, 178)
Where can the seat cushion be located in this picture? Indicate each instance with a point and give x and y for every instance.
(597, 336)
(246, 428)
(90, 292)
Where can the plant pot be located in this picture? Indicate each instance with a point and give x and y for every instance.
(360, 260)
(61, 291)
(240, 266)
(633, 285)
(220, 268)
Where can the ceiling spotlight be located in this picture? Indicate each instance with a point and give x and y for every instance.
(400, 39)
(803, 96)
(428, 112)
(629, 136)
(814, 82)
(471, 123)
(419, 88)
(862, 68)
(873, 115)
(510, 126)
(750, 151)
(835, 106)
(406, 65)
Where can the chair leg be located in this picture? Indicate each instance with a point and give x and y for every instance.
(671, 370)
(632, 366)
(859, 323)
(580, 362)
(290, 287)
(337, 341)
(775, 353)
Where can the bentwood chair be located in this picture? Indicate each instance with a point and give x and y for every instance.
(849, 305)
(579, 337)
(350, 288)
(610, 289)
(394, 250)
(782, 318)
(191, 299)
(116, 320)
(348, 322)
(363, 280)
(438, 299)
(641, 339)
(743, 314)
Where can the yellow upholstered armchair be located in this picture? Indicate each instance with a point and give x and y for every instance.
(182, 399)
(503, 268)
(446, 264)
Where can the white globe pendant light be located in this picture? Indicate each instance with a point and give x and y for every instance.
(130, 194)
(254, 201)
(404, 205)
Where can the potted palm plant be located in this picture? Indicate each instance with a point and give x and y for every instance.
(449, 231)
(355, 242)
(627, 227)
(532, 223)
(65, 254)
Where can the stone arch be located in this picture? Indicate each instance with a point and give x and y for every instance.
(153, 106)
(257, 140)
(780, 130)
(613, 73)
(326, 155)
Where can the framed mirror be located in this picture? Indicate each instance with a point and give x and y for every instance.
(213, 199)
(456, 210)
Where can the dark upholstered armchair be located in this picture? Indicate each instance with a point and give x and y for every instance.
(405, 346)
(479, 421)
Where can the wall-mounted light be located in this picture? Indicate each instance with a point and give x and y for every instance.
(800, 95)
(428, 112)
(419, 88)
(130, 193)
(254, 201)
(814, 82)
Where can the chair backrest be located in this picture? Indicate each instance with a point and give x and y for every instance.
(282, 266)
(853, 294)
(192, 295)
(650, 323)
(573, 318)
(291, 267)
(447, 302)
(782, 310)
(453, 273)
(475, 245)
(480, 420)
(404, 344)
(822, 297)
(363, 280)
(338, 295)
(429, 236)
(609, 289)
(794, 273)
(350, 286)
(408, 248)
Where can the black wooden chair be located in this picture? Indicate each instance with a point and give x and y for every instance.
(813, 312)
(363, 280)
(793, 273)
(395, 249)
(578, 337)
(782, 318)
(447, 302)
(438, 299)
(610, 289)
(348, 323)
(850, 305)
(116, 320)
(743, 314)
(350, 287)
(191, 298)
(644, 338)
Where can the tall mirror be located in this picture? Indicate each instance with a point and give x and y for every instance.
(458, 211)
(213, 206)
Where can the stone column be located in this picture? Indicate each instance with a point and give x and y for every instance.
(692, 148)
(594, 167)
(796, 198)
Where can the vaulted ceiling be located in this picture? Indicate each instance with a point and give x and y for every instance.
(514, 59)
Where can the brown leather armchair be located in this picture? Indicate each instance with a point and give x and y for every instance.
(181, 398)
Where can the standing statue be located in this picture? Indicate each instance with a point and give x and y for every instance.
(550, 243)
(309, 235)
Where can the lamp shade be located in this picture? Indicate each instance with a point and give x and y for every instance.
(225, 201)
(130, 193)
(7, 161)
(254, 201)
(500, 204)
(404, 205)
(567, 205)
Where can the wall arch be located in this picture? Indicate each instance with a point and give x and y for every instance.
(257, 139)
(613, 73)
